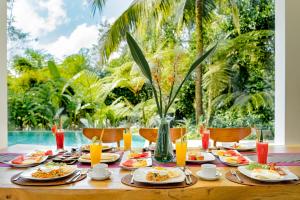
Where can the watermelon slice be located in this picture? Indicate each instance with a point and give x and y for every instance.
(18, 160)
(128, 163)
(49, 153)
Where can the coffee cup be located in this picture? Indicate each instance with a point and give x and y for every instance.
(209, 170)
(100, 170)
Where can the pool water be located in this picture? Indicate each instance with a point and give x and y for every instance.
(72, 138)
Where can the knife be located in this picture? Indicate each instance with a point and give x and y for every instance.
(236, 175)
(77, 173)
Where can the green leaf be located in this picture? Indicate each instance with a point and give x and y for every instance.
(141, 61)
(53, 70)
(139, 57)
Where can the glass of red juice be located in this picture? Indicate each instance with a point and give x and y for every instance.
(60, 137)
(205, 139)
(262, 152)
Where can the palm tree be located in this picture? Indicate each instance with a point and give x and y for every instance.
(154, 13)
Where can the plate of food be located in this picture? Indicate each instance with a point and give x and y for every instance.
(240, 146)
(49, 171)
(225, 153)
(235, 161)
(267, 173)
(48, 153)
(135, 155)
(105, 158)
(199, 157)
(158, 175)
(86, 148)
(27, 161)
(132, 164)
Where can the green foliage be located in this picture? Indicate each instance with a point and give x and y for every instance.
(238, 80)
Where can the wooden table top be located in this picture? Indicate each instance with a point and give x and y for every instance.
(114, 189)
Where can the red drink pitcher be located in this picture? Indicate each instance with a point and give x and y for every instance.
(59, 136)
(262, 152)
(205, 139)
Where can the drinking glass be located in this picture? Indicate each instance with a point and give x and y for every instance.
(181, 148)
(205, 139)
(127, 137)
(95, 153)
(262, 152)
(59, 137)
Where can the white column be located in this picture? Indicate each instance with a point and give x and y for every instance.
(3, 75)
(279, 72)
(292, 72)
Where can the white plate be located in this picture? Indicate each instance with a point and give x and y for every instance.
(44, 158)
(208, 157)
(27, 174)
(223, 160)
(125, 157)
(115, 155)
(215, 152)
(202, 176)
(139, 175)
(243, 146)
(148, 160)
(288, 177)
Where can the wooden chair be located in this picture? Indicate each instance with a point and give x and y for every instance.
(110, 135)
(228, 134)
(150, 134)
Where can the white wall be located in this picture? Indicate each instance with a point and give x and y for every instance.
(279, 72)
(292, 72)
(3, 74)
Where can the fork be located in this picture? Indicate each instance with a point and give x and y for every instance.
(82, 172)
(131, 181)
(189, 174)
(186, 176)
(233, 172)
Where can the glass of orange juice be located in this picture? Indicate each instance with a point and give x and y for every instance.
(127, 137)
(181, 149)
(95, 153)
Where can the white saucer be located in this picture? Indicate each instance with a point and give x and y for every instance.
(100, 178)
(202, 176)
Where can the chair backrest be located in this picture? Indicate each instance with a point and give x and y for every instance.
(110, 135)
(150, 134)
(228, 134)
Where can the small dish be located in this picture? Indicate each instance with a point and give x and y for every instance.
(100, 178)
(203, 177)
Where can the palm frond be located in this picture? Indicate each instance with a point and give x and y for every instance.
(97, 5)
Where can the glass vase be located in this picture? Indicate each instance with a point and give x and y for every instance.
(164, 149)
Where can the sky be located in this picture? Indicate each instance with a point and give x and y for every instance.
(63, 27)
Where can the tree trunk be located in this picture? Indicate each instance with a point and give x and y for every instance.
(199, 45)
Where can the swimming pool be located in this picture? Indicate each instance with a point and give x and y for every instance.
(72, 138)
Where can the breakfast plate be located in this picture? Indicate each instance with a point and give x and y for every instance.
(199, 157)
(225, 153)
(24, 161)
(159, 175)
(235, 161)
(240, 146)
(105, 158)
(267, 174)
(130, 163)
(49, 172)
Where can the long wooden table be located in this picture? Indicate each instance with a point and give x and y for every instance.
(113, 189)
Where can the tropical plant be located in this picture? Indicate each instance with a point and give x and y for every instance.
(143, 14)
(155, 79)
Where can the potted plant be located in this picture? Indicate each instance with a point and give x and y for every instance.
(164, 149)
